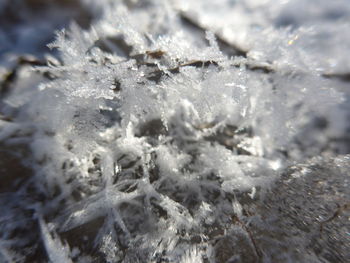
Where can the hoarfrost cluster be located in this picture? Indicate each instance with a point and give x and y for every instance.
(151, 131)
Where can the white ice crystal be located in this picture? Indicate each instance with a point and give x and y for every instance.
(149, 128)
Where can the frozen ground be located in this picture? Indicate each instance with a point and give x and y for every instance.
(174, 131)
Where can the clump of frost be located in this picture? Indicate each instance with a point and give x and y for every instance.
(148, 134)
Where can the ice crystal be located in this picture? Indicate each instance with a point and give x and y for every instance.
(152, 129)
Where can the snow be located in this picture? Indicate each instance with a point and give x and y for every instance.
(159, 121)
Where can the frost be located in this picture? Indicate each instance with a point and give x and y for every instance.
(151, 132)
(55, 250)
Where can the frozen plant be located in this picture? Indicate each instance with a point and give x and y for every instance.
(153, 131)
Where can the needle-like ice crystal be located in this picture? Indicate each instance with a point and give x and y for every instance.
(155, 134)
